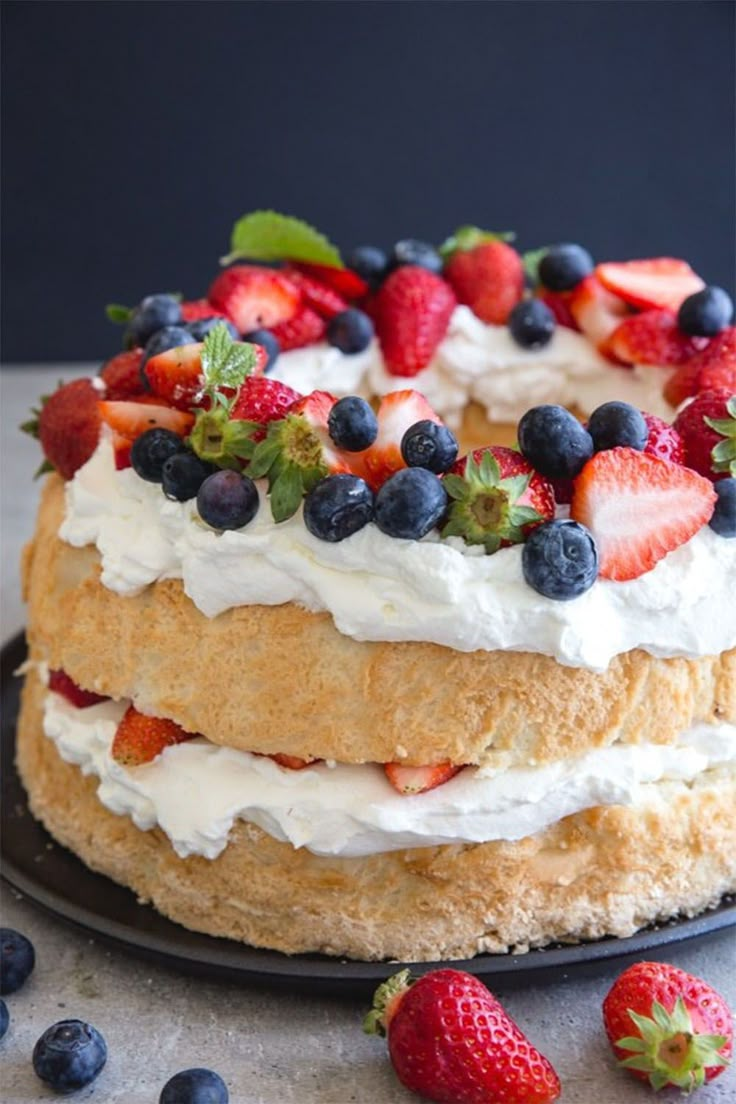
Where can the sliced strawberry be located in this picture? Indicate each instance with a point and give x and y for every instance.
(412, 312)
(489, 277)
(262, 399)
(707, 428)
(254, 297)
(121, 448)
(194, 310)
(342, 280)
(139, 739)
(712, 369)
(638, 509)
(176, 375)
(416, 780)
(69, 426)
(292, 762)
(596, 311)
(305, 328)
(130, 419)
(658, 282)
(398, 411)
(663, 441)
(653, 337)
(559, 303)
(122, 375)
(320, 297)
(61, 683)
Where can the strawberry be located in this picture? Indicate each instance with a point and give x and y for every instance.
(707, 427)
(559, 303)
(497, 498)
(140, 738)
(663, 441)
(668, 1027)
(412, 312)
(254, 297)
(488, 276)
(262, 399)
(344, 281)
(121, 448)
(657, 282)
(416, 780)
(60, 683)
(653, 337)
(292, 762)
(69, 426)
(451, 1041)
(122, 375)
(320, 297)
(194, 310)
(176, 375)
(398, 411)
(638, 509)
(712, 369)
(305, 328)
(596, 311)
(130, 419)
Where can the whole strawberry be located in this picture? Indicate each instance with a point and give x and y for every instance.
(484, 272)
(707, 427)
(68, 426)
(663, 441)
(412, 312)
(668, 1027)
(262, 399)
(712, 369)
(451, 1041)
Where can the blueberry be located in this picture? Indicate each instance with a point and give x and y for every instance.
(554, 442)
(152, 314)
(723, 520)
(270, 343)
(409, 251)
(4, 1019)
(69, 1055)
(202, 327)
(338, 506)
(352, 424)
(531, 323)
(410, 503)
(350, 331)
(370, 263)
(560, 560)
(429, 445)
(183, 474)
(705, 313)
(151, 450)
(617, 424)
(16, 962)
(227, 500)
(195, 1086)
(170, 337)
(563, 266)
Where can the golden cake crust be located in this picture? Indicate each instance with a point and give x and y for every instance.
(607, 871)
(282, 679)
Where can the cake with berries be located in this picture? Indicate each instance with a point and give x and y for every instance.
(386, 609)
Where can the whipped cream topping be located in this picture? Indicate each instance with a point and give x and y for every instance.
(195, 791)
(381, 588)
(483, 362)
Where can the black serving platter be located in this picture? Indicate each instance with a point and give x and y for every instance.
(60, 883)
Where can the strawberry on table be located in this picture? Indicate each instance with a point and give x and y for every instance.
(68, 426)
(122, 375)
(305, 327)
(484, 272)
(254, 297)
(707, 428)
(140, 738)
(668, 1027)
(653, 337)
(130, 419)
(638, 509)
(398, 411)
(657, 282)
(415, 780)
(712, 369)
(412, 311)
(596, 311)
(450, 1040)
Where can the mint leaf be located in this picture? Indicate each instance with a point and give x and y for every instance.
(225, 363)
(467, 237)
(269, 236)
(118, 314)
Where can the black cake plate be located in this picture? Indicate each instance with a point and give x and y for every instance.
(56, 880)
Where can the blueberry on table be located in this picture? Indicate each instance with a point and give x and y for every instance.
(266, 340)
(352, 424)
(227, 500)
(563, 266)
(151, 450)
(4, 1019)
(170, 337)
(202, 326)
(409, 251)
(69, 1055)
(370, 263)
(195, 1086)
(705, 313)
(723, 519)
(531, 323)
(554, 442)
(17, 959)
(338, 506)
(152, 314)
(183, 474)
(350, 331)
(560, 560)
(618, 424)
(429, 445)
(410, 503)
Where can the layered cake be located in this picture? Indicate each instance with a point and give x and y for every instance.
(386, 609)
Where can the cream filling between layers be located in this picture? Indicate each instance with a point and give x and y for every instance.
(195, 791)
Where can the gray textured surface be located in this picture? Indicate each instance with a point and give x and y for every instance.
(270, 1049)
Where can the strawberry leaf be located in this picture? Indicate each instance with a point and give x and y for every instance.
(269, 236)
(531, 261)
(286, 493)
(118, 314)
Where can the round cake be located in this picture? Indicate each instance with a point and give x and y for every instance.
(379, 609)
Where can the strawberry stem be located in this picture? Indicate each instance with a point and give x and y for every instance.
(669, 1051)
(377, 1020)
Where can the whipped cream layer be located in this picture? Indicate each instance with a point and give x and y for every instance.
(195, 791)
(481, 362)
(382, 588)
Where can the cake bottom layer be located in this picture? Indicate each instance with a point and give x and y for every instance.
(607, 871)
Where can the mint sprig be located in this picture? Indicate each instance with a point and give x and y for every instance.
(225, 363)
(215, 437)
(269, 236)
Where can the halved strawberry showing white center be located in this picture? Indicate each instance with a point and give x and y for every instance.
(399, 410)
(254, 297)
(657, 282)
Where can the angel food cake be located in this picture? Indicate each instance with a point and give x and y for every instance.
(325, 674)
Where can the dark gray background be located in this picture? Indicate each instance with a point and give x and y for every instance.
(135, 133)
